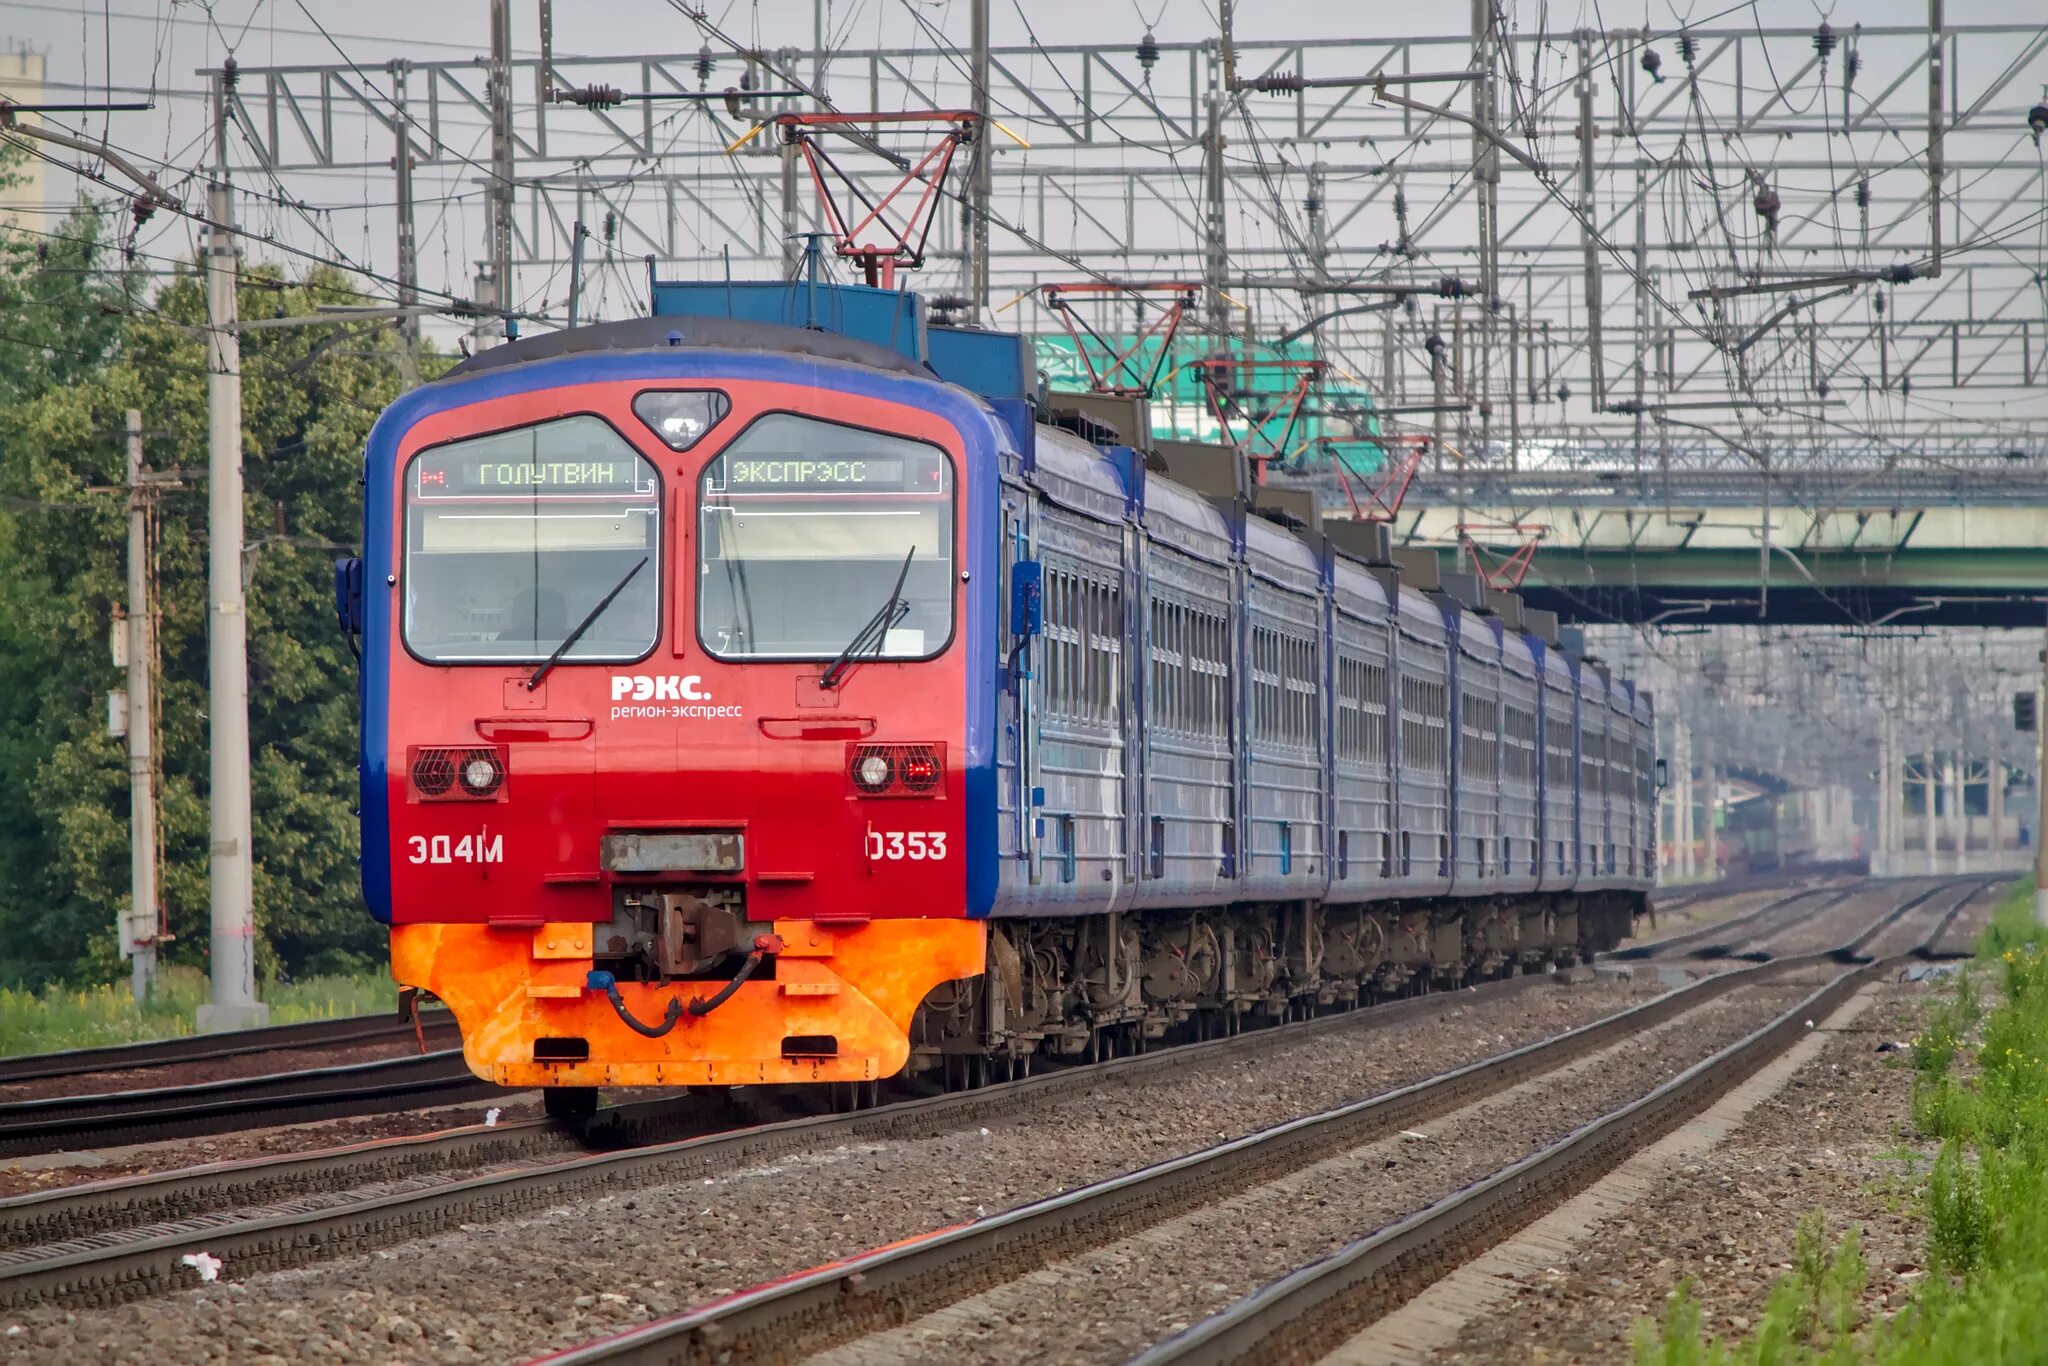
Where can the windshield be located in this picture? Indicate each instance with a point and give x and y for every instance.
(512, 539)
(804, 528)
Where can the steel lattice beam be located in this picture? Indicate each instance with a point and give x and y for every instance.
(1114, 180)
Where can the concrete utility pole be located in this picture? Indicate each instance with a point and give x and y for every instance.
(402, 201)
(140, 925)
(1937, 120)
(1688, 796)
(2041, 795)
(1929, 798)
(227, 655)
(981, 187)
(1994, 806)
(1714, 869)
(1215, 225)
(498, 200)
(1485, 151)
(792, 224)
(1587, 210)
(1889, 801)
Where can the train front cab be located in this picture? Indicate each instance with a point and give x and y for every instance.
(690, 847)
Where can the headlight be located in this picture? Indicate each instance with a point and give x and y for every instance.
(680, 416)
(872, 772)
(480, 775)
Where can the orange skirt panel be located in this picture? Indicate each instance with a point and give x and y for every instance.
(858, 985)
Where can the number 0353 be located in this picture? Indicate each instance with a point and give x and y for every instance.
(888, 846)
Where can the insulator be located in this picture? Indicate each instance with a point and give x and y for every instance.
(230, 72)
(1767, 205)
(2037, 119)
(1653, 61)
(1852, 63)
(611, 224)
(1148, 52)
(1862, 194)
(1564, 393)
(747, 79)
(1451, 287)
(594, 96)
(1400, 205)
(705, 66)
(1434, 344)
(1313, 205)
(1824, 40)
(1279, 83)
(1688, 48)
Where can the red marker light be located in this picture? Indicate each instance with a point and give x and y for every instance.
(920, 772)
(438, 477)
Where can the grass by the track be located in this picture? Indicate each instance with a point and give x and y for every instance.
(1980, 1108)
(90, 1017)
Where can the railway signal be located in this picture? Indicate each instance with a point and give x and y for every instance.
(2025, 716)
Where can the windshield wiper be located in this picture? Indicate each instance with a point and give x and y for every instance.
(875, 633)
(583, 625)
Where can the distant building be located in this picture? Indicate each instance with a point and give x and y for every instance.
(21, 80)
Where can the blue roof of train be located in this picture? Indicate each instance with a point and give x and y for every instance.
(891, 328)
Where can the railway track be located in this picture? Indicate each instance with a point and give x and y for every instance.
(56, 1123)
(1306, 1314)
(879, 1291)
(1815, 923)
(53, 1124)
(124, 1239)
(436, 1026)
(1706, 941)
(1683, 898)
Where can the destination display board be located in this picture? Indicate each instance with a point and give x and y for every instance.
(458, 474)
(827, 474)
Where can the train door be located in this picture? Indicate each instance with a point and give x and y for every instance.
(1078, 711)
(1016, 717)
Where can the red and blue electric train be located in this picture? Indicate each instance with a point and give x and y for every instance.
(747, 703)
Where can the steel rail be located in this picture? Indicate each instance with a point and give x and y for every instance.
(30, 1274)
(53, 1123)
(801, 1314)
(1665, 899)
(1659, 948)
(148, 1263)
(335, 1033)
(1304, 1315)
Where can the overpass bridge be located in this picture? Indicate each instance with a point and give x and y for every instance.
(1865, 552)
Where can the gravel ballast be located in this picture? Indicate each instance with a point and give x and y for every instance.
(1726, 1219)
(1110, 1302)
(499, 1291)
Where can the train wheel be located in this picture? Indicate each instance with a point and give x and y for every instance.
(570, 1104)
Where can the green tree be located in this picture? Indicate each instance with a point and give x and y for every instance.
(309, 398)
